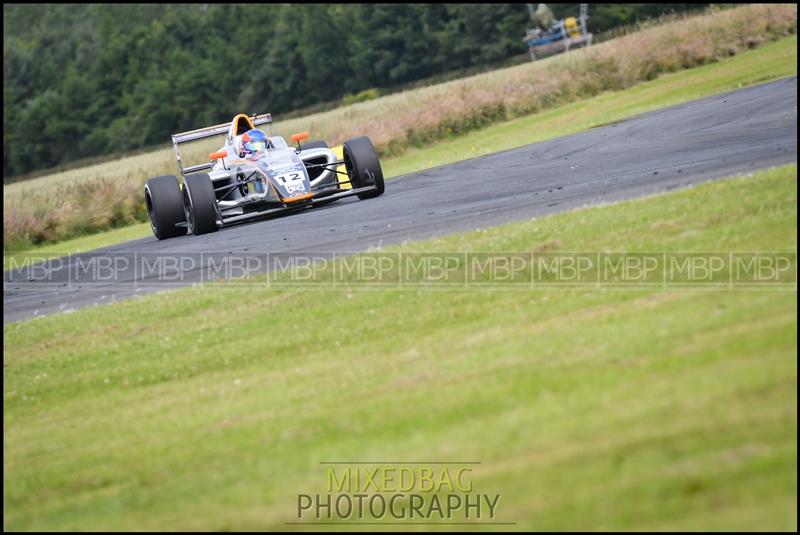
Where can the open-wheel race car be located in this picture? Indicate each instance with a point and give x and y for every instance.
(254, 175)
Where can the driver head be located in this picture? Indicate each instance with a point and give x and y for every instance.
(253, 142)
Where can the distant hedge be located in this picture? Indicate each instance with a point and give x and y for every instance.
(88, 80)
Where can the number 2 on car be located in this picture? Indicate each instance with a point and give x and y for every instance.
(289, 177)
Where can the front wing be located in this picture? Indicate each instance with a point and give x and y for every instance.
(296, 206)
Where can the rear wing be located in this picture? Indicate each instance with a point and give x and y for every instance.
(202, 133)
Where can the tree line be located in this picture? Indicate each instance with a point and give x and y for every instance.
(92, 79)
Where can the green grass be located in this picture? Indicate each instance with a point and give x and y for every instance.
(769, 62)
(211, 407)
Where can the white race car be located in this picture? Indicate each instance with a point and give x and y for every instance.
(255, 174)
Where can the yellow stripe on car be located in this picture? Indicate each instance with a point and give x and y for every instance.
(341, 169)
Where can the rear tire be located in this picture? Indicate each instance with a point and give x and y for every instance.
(200, 204)
(164, 206)
(316, 144)
(363, 166)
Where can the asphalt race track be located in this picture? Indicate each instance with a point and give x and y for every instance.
(656, 152)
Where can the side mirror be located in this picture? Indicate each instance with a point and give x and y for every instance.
(217, 155)
(302, 136)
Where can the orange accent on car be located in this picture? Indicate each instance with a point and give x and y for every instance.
(242, 127)
(304, 197)
(302, 136)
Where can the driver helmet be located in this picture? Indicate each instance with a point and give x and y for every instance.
(253, 141)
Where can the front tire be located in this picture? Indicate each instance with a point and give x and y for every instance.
(363, 166)
(164, 206)
(200, 204)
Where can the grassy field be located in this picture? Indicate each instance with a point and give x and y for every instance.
(588, 409)
(35, 213)
(772, 61)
